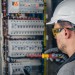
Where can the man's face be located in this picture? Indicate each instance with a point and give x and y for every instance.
(60, 37)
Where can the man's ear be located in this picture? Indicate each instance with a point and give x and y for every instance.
(67, 33)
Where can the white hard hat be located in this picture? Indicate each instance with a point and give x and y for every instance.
(64, 11)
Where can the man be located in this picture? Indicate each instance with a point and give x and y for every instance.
(64, 32)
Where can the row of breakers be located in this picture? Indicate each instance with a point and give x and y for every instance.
(25, 27)
(19, 48)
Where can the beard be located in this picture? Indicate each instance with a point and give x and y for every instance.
(62, 48)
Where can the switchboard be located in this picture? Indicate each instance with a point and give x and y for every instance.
(23, 24)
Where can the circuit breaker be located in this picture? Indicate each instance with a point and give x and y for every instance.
(23, 24)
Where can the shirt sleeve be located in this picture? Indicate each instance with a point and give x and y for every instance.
(65, 72)
(67, 69)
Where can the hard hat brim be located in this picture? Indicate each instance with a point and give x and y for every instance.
(51, 22)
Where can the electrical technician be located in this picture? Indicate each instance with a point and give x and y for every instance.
(64, 32)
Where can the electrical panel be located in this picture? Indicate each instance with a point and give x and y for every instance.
(23, 24)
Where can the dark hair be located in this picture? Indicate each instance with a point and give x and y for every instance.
(65, 23)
